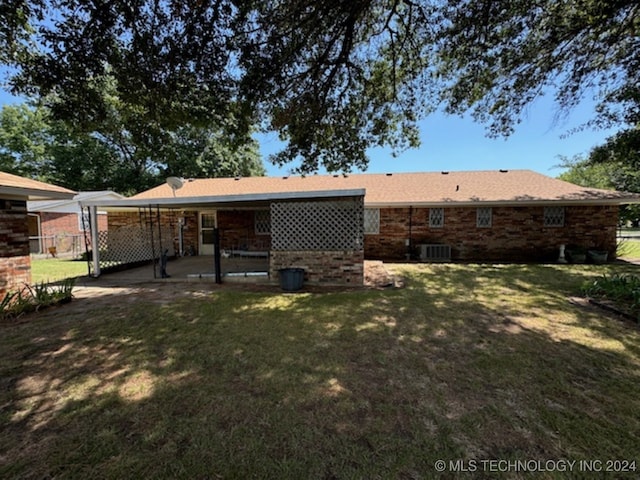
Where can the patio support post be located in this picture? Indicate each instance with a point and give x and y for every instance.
(95, 240)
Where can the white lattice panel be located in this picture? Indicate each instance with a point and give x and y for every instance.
(318, 225)
(133, 243)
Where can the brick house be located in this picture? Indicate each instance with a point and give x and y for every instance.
(516, 215)
(61, 224)
(15, 262)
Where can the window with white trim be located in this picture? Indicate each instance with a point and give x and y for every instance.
(436, 217)
(371, 221)
(263, 222)
(554, 216)
(483, 217)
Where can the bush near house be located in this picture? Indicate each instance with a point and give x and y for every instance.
(621, 290)
(35, 297)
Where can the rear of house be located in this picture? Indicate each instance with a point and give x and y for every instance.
(480, 216)
(517, 215)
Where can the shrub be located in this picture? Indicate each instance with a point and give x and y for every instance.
(623, 289)
(34, 297)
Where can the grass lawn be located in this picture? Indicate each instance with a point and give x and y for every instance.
(54, 269)
(484, 362)
(629, 249)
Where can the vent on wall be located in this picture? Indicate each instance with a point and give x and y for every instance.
(435, 253)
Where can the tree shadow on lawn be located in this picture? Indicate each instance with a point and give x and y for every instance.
(352, 384)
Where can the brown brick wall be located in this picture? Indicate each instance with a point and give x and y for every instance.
(237, 230)
(15, 263)
(516, 234)
(14, 228)
(327, 267)
(52, 224)
(15, 272)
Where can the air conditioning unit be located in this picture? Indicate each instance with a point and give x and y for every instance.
(435, 253)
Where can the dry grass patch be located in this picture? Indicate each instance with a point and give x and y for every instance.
(467, 361)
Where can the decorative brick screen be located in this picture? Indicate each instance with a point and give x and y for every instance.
(318, 225)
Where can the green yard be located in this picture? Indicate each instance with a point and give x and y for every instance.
(484, 362)
(629, 249)
(54, 269)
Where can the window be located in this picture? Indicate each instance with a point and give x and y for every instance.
(554, 216)
(371, 221)
(263, 222)
(436, 217)
(483, 217)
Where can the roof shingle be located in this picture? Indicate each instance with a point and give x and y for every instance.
(33, 189)
(424, 188)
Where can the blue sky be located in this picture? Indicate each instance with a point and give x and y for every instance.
(454, 143)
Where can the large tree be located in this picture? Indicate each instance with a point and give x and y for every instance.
(34, 144)
(332, 77)
(612, 165)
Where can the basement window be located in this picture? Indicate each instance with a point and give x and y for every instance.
(554, 216)
(436, 217)
(483, 217)
(371, 221)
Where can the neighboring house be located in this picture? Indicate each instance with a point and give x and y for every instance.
(516, 215)
(62, 223)
(15, 262)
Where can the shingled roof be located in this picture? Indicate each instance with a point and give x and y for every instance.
(27, 188)
(417, 189)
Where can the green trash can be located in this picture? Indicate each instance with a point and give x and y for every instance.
(291, 279)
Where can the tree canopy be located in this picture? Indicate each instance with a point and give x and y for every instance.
(34, 144)
(612, 165)
(333, 78)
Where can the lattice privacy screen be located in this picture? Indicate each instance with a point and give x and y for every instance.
(133, 243)
(318, 225)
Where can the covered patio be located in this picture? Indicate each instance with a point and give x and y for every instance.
(234, 238)
(198, 268)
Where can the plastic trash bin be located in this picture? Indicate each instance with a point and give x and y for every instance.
(291, 279)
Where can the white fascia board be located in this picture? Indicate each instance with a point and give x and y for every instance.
(222, 200)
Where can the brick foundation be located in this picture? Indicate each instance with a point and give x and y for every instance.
(327, 267)
(516, 233)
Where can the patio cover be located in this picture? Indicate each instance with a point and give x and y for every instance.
(206, 202)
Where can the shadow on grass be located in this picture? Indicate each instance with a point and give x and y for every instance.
(485, 362)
